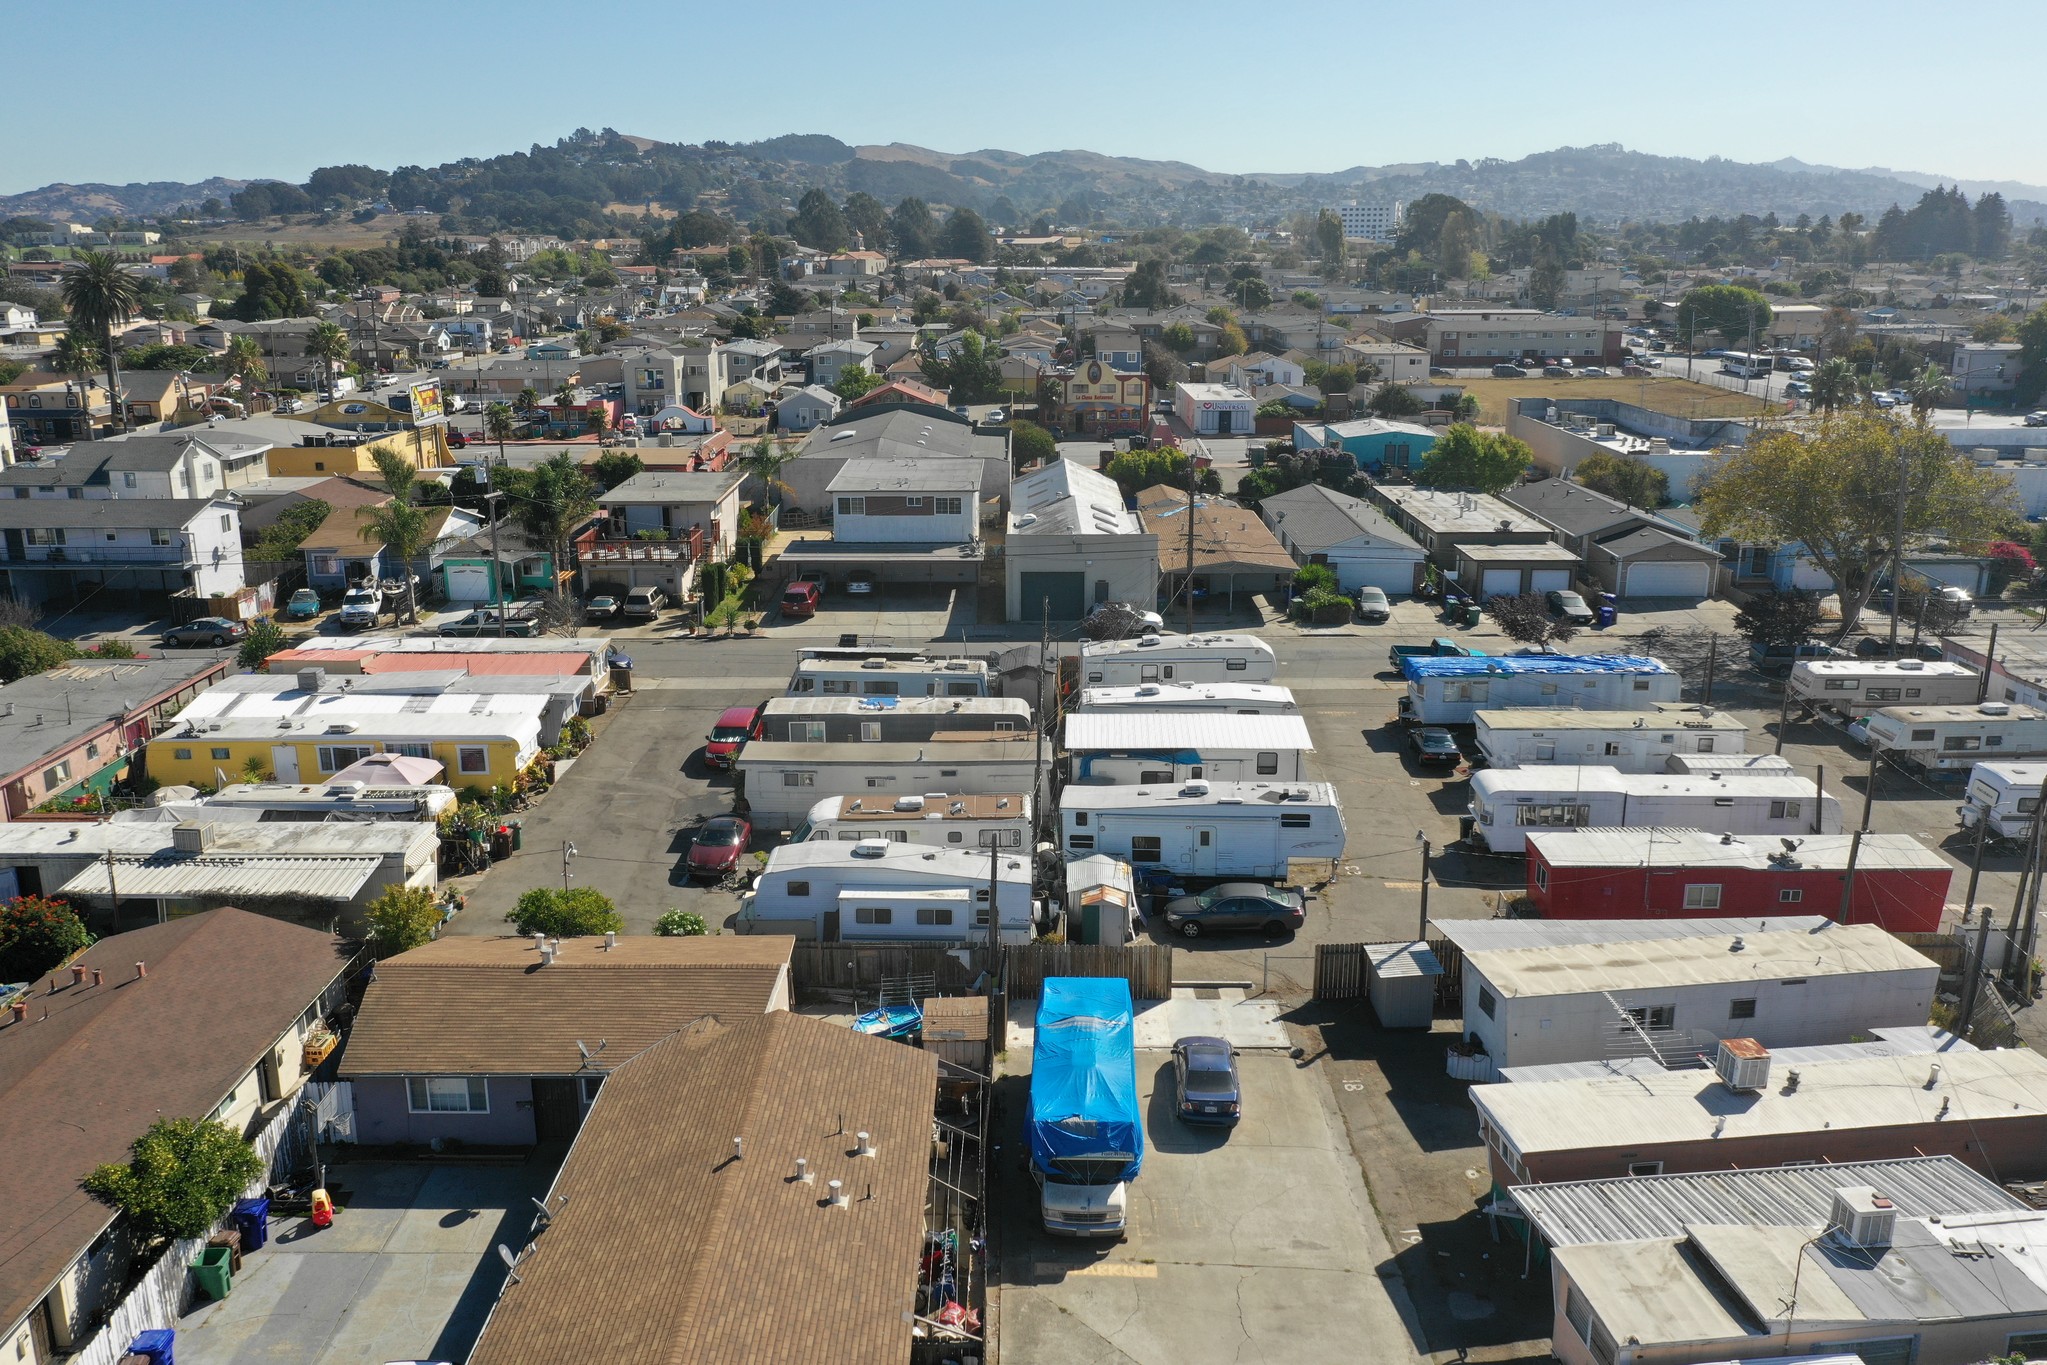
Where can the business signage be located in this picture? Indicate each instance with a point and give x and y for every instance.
(426, 401)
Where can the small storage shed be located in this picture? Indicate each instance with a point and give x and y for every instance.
(1401, 981)
(956, 1029)
(1101, 901)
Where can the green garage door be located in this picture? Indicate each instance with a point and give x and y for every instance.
(1067, 592)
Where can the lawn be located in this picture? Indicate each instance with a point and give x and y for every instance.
(1662, 393)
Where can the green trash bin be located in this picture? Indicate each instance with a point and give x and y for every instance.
(518, 836)
(212, 1272)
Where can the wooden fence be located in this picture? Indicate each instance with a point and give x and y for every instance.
(1339, 971)
(861, 968)
(1148, 967)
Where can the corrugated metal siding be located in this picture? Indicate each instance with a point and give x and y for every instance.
(337, 879)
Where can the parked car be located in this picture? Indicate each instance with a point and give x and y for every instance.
(1434, 744)
(1238, 905)
(2037, 419)
(1555, 372)
(1797, 388)
(1372, 605)
(1652, 361)
(479, 623)
(1569, 605)
(1778, 659)
(303, 606)
(643, 604)
(457, 440)
(1206, 1088)
(719, 845)
(1507, 372)
(602, 607)
(860, 582)
(1956, 600)
(1593, 372)
(801, 598)
(360, 608)
(207, 630)
(995, 417)
(1879, 647)
(1438, 372)
(736, 725)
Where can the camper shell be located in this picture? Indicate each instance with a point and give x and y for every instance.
(1167, 658)
(877, 676)
(780, 782)
(1136, 747)
(1631, 741)
(1453, 691)
(1507, 805)
(1952, 738)
(1237, 699)
(2010, 792)
(932, 819)
(1205, 829)
(879, 890)
(813, 719)
(1857, 687)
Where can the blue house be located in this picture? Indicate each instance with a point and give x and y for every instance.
(1376, 445)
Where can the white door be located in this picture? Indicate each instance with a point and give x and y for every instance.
(1654, 579)
(284, 762)
(1204, 852)
(1500, 583)
(468, 583)
(1392, 575)
(1550, 580)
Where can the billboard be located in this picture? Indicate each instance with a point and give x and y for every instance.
(426, 401)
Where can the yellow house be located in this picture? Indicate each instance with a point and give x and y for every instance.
(409, 420)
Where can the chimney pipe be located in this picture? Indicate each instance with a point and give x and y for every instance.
(803, 1170)
(835, 1195)
(610, 939)
(539, 939)
(78, 973)
(546, 954)
(99, 978)
(739, 1149)
(141, 970)
(20, 1008)
(862, 1146)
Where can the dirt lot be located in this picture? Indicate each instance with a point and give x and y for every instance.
(1664, 393)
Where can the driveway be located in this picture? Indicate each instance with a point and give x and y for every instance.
(408, 1271)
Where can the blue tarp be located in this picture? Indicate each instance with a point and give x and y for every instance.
(1084, 1074)
(1417, 667)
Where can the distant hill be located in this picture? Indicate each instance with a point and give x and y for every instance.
(2010, 189)
(83, 203)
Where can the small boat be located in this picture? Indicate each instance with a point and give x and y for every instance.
(891, 1021)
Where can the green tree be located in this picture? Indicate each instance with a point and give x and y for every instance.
(1336, 379)
(402, 918)
(1546, 280)
(1178, 338)
(912, 231)
(1992, 328)
(764, 461)
(1928, 388)
(614, 467)
(100, 296)
(76, 355)
(1146, 286)
(1329, 239)
(855, 381)
(37, 935)
(1482, 462)
(681, 924)
(244, 360)
(166, 358)
(866, 216)
(264, 639)
(2031, 335)
(1835, 488)
(181, 1176)
(973, 373)
(497, 425)
(575, 913)
(1030, 444)
(1251, 293)
(550, 502)
(1834, 385)
(1772, 617)
(1729, 309)
(1231, 339)
(965, 235)
(818, 222)
(1635, 482)
(327, 343)
(25, 651)
(1138, 469)
(1392, 400)
(401, 526)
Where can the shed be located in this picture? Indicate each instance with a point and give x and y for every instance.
(956, 1031)
(1401, 982)
(1101, 900)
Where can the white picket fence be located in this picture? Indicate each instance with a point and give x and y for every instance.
(162, 1295)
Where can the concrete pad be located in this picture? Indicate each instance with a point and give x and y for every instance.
(1212, 1011)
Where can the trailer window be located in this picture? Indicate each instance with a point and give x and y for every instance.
(1237, 665)
(1155, 775)
(1993, 741)
(870, 731)
(882, 687)
(1911, 692)
(1486, 1003)
(1705, 744)
(960, 689)
(1563, 814)
(1145, 848)
(1542, 876)
(799, 888)
(799, 779)
(934, 914)
(1080, 819)
(1641, 684)
(1886, 693)
(874, 914)
(1921, 735)
(1955, 744)
(1843, 684)
(2028, 804)
(1080, 841)
(1294, 820)
(1783, 810)
(1790, 896)
(1268, 764)
(1703, 897)
(806, 732)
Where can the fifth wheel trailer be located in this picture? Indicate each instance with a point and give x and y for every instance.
(1205, 829)
(1952, 738)
(1507, 805)
(2010, 792)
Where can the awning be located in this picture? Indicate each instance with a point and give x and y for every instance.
(174, 876)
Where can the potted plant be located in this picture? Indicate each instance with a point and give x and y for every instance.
(753, 624)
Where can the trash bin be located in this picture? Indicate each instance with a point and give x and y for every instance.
(518, 836)
(1605, 616)
(212, 1271)
(155, 1345)
(231, 1238)
(1473, 614)
(501, 844)
(252, 1217)
(621, 678)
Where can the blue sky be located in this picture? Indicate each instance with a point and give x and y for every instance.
(271, 90)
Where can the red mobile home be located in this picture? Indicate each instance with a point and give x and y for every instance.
(1900, 884)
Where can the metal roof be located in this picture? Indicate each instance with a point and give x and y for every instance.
(1474, 935)
(1201, 731)
(906, 474)
(1065, 498)
(1673, 718)
(1403, 959)
(1565, 778)
(1690, 848)
(1696, 960)
(1539, 552)
(1167, 643)
(175, 875)
(1631, 1208)
(1416, 667)
(1300, 795)
(817, 704)
(1184, 696)
(982, 748)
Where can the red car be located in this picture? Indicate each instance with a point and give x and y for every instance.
(719, 846)
(737, 725)
(456, 439)
(801, 598)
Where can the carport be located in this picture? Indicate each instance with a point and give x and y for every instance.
(1510, 570)
(954, 564)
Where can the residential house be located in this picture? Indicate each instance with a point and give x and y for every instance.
(338, 555)
(1317, 525)
(76, 730)
(113, 1051)
(828, 360)
(1629, 552)
(431, 1062)
(1229, 551)
(857, 263)
(892, 499)
(1099, 399)
(1119, 348)
(1283, 330)
(1441, 520)
(746, 358)
(675, 505)
(1389, 362)
(892, 341)
(49, 409)
(900, 392)
(915, 431)
(805, 408)
(496, 567)
(196, 463)
(1255, 371)
(1375, 443)
(113, 549)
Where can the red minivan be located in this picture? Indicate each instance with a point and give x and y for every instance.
(735, 726)
(801, 599)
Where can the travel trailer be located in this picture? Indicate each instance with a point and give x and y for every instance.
(1952, 738)
(1136, 747)
(2009, 792)
(933, 819)
(878, 889)
(1205, 829)
(1631, 741)
(780, 782)
(1238, 699)
(1175, 659)
(1856, 687)
(813, 719)
(1451, 691)
(1507, 805)
(882, 677)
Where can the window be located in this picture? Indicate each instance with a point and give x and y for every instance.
(1654, 1016)
(799, 779)
(411, 749)
(1960, 744)
(182, 755)
(877, 783)
(1560, 815)
(806, 732)
(159, 536)
(1706, 744)
(1295, 820)
(589, 1086)
(870, 731)
(1080, 841)
(220, 752)
(1702, 896)
(1784, 810)
(448, 1094)
(946, 507)
(1486, 1004)
(57, 775)
(873, 914)
(852, 507)
(1841, 684)
(1641, 684)
(470, 758)
(2031, 1345)
(1080, 819)
(1612, 748)
(1268, 764)
(1237, 665)
(1919, 736)
(1549, 689)
(1146, 776)
(335, 757)
(1542, 876)
(226, 521)
(882, 687)
(1742, 1009)
(799, 888)
(39, 536)
(934, 914)
(1885, 693)
(915, 503)
(953, 836)
(1645, 1168)
(1145, 848)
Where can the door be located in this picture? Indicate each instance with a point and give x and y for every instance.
(1389, 575)
(468, 583)
(284, 762)
(1222, 421)
(557, 1109)
(831, 926)
(1500, 583)
(1064, 593)
(1668, 579)
(1204, 852)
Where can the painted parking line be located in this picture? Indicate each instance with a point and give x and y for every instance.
(1106, 1270)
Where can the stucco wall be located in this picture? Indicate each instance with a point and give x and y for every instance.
(382, 1115)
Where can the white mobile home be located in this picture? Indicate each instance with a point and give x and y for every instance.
(1205, 829)
(1135, 747)
(1452, 691)
(1508, 804)
(1733, 764)
(1175, 659)
(884, 677)
(781, 782)
(2010, 792)
(1856, 687)
(1951, 738)
(1238, 699)
(1632, 741)
(813, 719)
(318, 802)
(934, 820)
(881, 890)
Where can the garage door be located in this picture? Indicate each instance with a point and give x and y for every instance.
(1066, 592)
(468, 583)
(1669, 580)
(1394, 575)
(1500, 582)
(1552, 580)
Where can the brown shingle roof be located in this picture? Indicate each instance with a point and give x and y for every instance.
(667, 1250)
(1227, 538)
(487, 1007)
(94, 1066)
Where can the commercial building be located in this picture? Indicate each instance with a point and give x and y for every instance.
(1214, 409)
(1471, 337)
(1099, 399)
(1072, 545)
(1370, 222)
(74, 731)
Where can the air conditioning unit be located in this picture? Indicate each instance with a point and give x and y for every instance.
(1743, 1064)
(871, 848)
(190, 836)
(1861, 1217)
(909, 803)
(1197, 787)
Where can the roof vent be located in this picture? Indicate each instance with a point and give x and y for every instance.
(864, 1145)
(1861, 1217)
(1148, 642)
(871, 848)
(909, 803)
(835, 1195)
(1197, 787)
(1147, 689)
(1912, 665)
(1743, 1064)
(874, 663)
(190, 836)
(311, 678)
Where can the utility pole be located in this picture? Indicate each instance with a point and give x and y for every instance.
(2028, 895)
(497, 565)
(1972, 983)
(1848, 881)
(568, 852)
(1876, 754)
(1989, 661)
(1784, 714)
(1421, 933)
(1044, 717)
(994, 899)
(1712, 657)
(1819, 797)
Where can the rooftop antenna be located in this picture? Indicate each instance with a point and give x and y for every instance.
(589, 1057)
(511, 1260)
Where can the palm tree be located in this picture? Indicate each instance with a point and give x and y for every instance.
(78, 356)
(550, 502)
(99, 295)
(329, 343)
(401, 525)
(244, 360)
(599, 422)
(497, 423)
(765, 460)
(528, 399)
(1833, 385)
(1927, 388)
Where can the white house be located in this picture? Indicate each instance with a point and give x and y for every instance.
(1073, 545)
(830, 359)
(1214, 409)
(1318, 525)
(54, 546)
(905, 500)
(675, 503)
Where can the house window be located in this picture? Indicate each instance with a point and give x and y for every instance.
(39, 536)
(1542, 876)
(1702, 896)
(873, 914)
(159, 537)
(590, 1085)
(2031, 1345)
(58, 775)
(870, 731)
(411, 750)
(946, 507)
(1790, 896)
(877, 783)
(448, 1094)
(226, 522)
(1145, 848)
(934, 914)
(1742, 1009)
(805, 779)
(335, 757)
(914, 504)
(220, 752)
(1486, 1004)
(852, 507)
(471, 758)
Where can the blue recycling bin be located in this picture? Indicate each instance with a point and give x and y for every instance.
(156, 1344)
(251, 1218)
(1605, 616)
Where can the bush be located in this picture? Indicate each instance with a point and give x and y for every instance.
(1031, 444)
(263, 640)
(1323, 605)
(402, 918)
(36, 935)
(681, 924)
(1314, 577)
(111, 649)
(25, 652)
(181, 1176)
(574, 913)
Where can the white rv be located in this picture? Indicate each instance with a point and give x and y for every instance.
(281, 802)
(883, 677)
(1632, 741)
(1175, 659)
(1238, 699)
(1951, 738)
(1134, 747)
(878, 889)
(813, 719)
(1205, 829)
(1734, 765)
(781, 782)
(1856, 687)
(2010, 792)
(934, 819)
(1509, 804)
(1452, 691)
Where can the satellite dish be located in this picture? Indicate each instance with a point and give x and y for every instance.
(506, 1255)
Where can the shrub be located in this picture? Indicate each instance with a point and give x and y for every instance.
(574, 913)
(681, 924)
(25, 652)
(1312, 577)
(402, 918)
(263, 640)
(181, 1176)
(36, 935)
